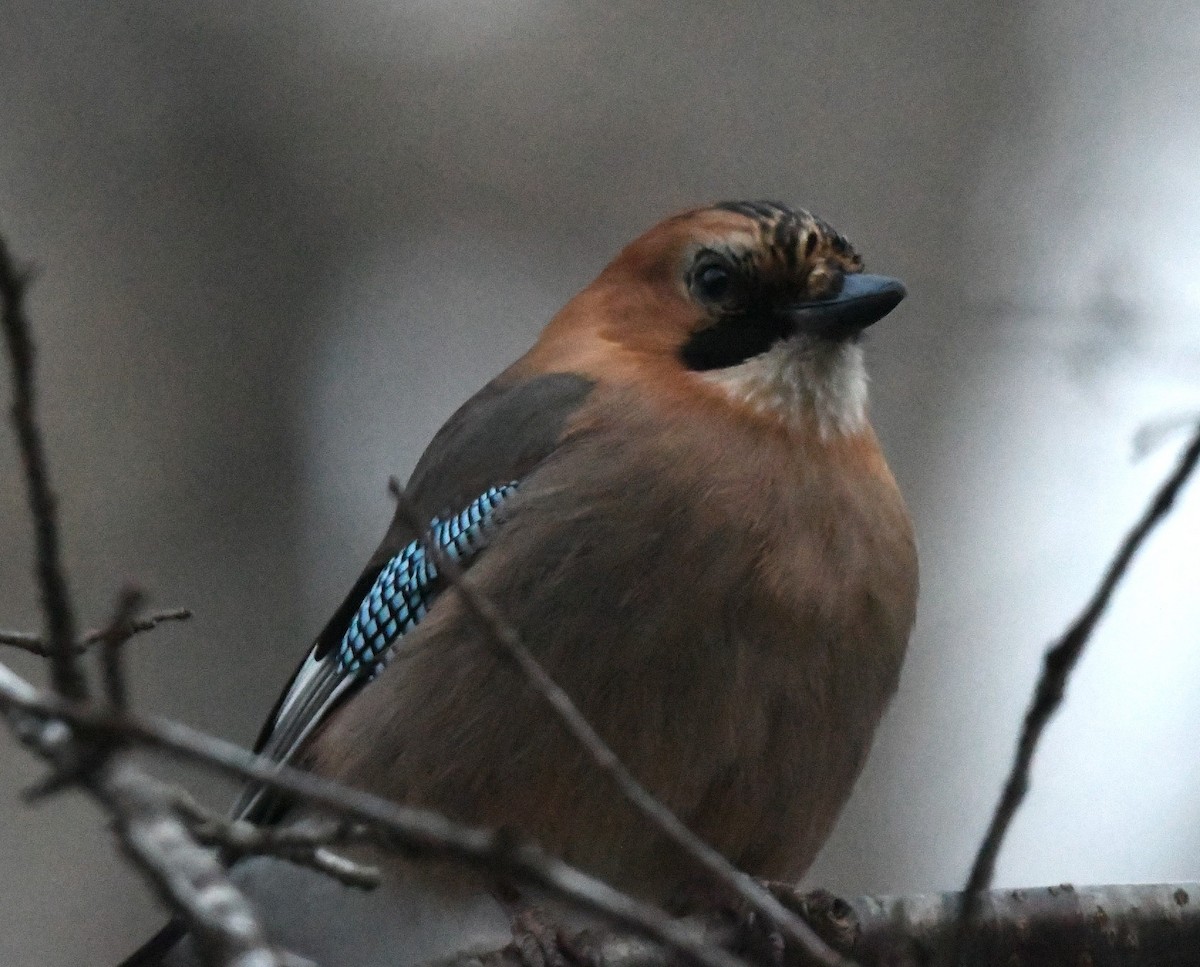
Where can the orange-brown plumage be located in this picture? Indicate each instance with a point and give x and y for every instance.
(726, 589)
(706, 550)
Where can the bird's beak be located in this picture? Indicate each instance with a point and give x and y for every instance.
(863, 300)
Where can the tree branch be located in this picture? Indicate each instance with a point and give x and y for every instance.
(1058, 664)
(52, 582)
(184, 873)
(401, 829)
(1117, 926)
(308, 845)
(36, 644)
(187, 876)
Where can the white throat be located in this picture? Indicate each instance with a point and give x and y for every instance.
(799, 377)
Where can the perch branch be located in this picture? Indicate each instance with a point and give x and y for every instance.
(1119, 926)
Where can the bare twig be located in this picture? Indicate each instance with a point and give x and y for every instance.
(1120, 926)
(36, 644)
(505, 639)
(403, 829)
(86, 761)
(140, 625)
(1057, 667)
(119, 631)
(306, 845)
(185, 874)
(52, 582)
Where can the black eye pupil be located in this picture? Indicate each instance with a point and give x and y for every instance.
(713, 282)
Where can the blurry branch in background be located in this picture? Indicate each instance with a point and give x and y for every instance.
(36, 645)
(180, 847)
(56, 605)
(185, 875)
(406, 831)
(1059, 662)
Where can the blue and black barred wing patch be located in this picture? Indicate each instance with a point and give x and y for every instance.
(401, 596)
(406, 586)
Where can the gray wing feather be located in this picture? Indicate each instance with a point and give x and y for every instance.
(497, 436)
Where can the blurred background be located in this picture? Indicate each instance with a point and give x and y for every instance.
(277, 245)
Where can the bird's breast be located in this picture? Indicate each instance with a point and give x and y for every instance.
(762, 594)
(726, 605)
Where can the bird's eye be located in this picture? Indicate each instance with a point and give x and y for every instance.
(713, 282)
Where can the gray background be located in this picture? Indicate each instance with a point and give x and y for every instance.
(279, 243)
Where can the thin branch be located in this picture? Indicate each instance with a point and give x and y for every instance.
(52, 582)
(306, 845)
(505, 639)
(36, 644)
(407, 830)
(119, 631)
(140, 625)
(1060, 660)
(185, 874)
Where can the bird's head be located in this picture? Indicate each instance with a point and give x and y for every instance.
(767, 302)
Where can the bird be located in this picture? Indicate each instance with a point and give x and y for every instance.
(677, 501)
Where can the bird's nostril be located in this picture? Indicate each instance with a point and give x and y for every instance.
(824, 282)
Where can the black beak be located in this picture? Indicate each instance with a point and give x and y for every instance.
(864, 299)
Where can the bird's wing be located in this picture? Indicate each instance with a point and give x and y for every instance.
(460, 484)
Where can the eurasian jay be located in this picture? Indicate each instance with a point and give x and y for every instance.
(677, 500)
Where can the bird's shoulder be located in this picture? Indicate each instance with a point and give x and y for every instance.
(490, 444)
(493, 439)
